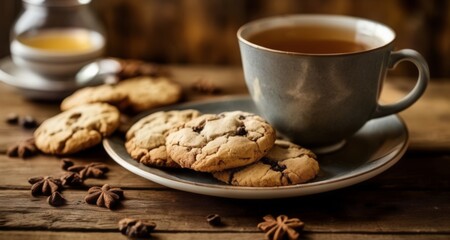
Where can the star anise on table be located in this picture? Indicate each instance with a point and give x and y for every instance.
(56, 199)
(66, 163)
(44, 185)
(279, 228)
(104, 196)
(91, 170)
(23, 149)
(72, 179)
(136, 228)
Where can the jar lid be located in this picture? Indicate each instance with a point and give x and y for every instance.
(57, 2)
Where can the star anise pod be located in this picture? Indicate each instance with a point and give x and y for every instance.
(205, 86)
(92, 170)
(130, 68)
(136, 228)
(44, 185)
(66, 163)
(23, 149)
(276, 229)
(104, 196)
(72, 179)
(56, 199)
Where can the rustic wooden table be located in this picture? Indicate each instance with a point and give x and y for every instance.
(411, 200)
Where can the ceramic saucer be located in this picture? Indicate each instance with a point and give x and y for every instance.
(377, 146)
(34, 86)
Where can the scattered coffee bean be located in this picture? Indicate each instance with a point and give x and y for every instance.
(214, 219)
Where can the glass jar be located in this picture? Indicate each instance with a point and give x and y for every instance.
(55, 38)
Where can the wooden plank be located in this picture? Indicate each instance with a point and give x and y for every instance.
(44, 165)
(343, 211)
(428, 119)
(410, 173)
(45, 235)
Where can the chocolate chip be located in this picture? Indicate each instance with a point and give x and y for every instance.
(241, 131)
(197, 129)
(273, 164)
(278, 168)
(12, 118)
(214, 219)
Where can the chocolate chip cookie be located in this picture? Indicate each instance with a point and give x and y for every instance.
(96, 94)
(215, 142)
(147, 92)
(77, 128)
(135, 94)
(146, 139)
(285, 164)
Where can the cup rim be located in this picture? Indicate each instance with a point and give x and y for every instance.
(264, 21)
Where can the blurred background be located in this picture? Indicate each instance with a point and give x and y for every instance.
(204, 31)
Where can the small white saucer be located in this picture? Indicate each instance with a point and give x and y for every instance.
(34, 86)
(376, 147)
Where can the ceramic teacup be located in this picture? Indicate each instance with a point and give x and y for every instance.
(57, 54)
(318, 78)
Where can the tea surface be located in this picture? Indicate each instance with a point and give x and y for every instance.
(308, 40)
(58, 40)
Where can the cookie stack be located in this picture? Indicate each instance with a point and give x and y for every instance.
(238, 148)
(93, 113)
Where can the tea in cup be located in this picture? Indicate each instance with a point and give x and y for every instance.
(318, 78)
(57, 53)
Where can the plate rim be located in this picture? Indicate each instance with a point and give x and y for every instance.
(245, 192)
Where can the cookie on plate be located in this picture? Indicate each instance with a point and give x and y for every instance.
(215, 142)
(77, 128)
(146, 139)
(135, 94)
(285, 164)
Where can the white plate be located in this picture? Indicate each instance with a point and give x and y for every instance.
(377, 146)
(34, 86)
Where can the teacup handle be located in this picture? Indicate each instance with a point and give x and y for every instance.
(422, 81)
